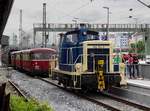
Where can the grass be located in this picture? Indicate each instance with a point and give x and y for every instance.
(19, 104)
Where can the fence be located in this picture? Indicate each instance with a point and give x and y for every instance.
(4, 99)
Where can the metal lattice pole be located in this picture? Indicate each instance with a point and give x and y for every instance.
(44, 40)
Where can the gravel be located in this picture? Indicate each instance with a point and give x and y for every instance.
(57, 98)
(4, 75)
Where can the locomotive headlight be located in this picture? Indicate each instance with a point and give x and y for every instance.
(84, 33)
(78, 67)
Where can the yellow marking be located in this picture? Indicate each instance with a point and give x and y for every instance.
(100, 62)
(101, 82)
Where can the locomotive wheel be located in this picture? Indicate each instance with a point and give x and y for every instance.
(65, 84)
(59, 83)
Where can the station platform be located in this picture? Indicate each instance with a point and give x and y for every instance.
(137, 91)
(145, 83)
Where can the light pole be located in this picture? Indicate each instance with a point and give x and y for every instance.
(136, 23)
(75, 20)
(107, 33)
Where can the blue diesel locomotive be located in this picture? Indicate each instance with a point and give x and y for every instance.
(84, 61)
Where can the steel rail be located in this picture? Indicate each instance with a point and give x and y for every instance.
(128, 102)
(18, 90)
(109, 107)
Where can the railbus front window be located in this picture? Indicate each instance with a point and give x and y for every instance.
(41, 55)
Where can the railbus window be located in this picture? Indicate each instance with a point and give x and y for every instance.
(41, 55)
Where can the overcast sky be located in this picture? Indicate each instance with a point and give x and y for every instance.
(63, 11)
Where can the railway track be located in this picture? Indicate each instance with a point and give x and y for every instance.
(21, 93)
(94, 99)
(132, 103)
(109, 107)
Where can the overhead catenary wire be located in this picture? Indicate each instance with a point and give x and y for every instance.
(71, 13)
(143, 3)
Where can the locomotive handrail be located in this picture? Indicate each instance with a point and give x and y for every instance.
(73, 64)
(72, 47)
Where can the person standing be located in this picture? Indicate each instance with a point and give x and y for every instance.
(123, 81)
(130, 62)
(135, 65)
(125, 57)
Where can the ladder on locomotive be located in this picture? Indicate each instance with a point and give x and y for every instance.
(101, 82)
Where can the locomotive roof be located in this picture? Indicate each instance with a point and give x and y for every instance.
(107, 42)
(78, 30)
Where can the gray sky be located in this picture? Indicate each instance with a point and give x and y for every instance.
(63, 11)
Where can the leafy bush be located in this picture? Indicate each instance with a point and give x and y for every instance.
(19, 104)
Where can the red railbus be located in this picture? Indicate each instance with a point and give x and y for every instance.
(18, 59)
(36, 61)
(13, 56)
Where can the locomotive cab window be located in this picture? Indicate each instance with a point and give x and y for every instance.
(91, 35)
(71, 38)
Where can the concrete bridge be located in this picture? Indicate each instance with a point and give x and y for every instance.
(56, 27)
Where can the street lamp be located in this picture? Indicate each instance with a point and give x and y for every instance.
(136, 23)
(107, 8)
(75, 20)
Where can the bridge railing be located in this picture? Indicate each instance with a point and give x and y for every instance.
(93, 26)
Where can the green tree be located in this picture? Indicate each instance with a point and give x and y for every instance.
(141, 49)
(140, 46)
(132, 48)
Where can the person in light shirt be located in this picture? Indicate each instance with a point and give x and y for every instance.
(122, 66)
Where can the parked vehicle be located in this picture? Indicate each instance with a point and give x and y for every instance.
(37, 61)
(148, 59)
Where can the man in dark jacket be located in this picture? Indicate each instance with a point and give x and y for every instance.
(135, 63)
(130, 65)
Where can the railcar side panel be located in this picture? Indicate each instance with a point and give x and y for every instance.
(26, 61)
(13, 59)
(18, 60)
(35, 61)
(40, 66)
